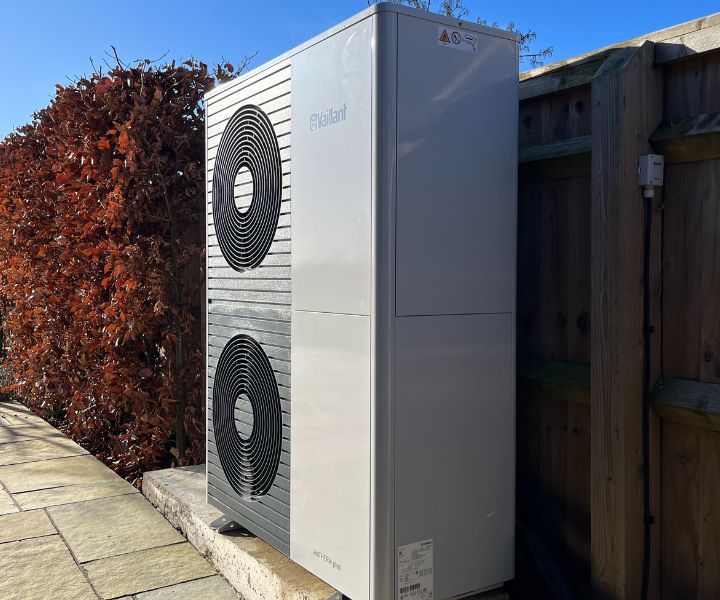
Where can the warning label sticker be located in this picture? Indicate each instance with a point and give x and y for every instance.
(457, 38)
(415, 571)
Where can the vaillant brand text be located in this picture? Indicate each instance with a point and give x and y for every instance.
(327, 117)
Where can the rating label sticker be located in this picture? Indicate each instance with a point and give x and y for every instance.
(457, 38)
(415, 571)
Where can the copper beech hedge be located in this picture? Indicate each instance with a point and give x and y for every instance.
(101, 263)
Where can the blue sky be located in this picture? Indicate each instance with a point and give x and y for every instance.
(43, 42)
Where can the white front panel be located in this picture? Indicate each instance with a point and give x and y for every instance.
(332, 130)
(330, 468)
(455, 447)
(456, 171)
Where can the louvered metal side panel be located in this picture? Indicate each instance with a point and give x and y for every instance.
(254, 302)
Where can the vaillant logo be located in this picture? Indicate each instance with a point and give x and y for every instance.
(327, 117)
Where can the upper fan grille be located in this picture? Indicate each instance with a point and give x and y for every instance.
(244, 374)
(248, 142)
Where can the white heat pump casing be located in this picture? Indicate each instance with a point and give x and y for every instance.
(390, 297)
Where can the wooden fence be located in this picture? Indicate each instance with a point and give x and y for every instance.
(583, 124)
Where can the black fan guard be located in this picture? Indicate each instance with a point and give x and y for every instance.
(250, 464)
(248, 141)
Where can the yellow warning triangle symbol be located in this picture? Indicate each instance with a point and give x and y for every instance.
(444, 37)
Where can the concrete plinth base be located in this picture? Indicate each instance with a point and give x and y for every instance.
(255, 569)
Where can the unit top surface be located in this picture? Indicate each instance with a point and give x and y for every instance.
(380, 7)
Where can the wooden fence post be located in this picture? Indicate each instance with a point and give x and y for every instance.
(627, 100)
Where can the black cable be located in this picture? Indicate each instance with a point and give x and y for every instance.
(648, 518)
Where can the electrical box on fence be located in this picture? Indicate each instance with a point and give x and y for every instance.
(650, 170)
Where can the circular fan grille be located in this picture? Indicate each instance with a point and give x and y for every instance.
(244, 374)
(248, 142)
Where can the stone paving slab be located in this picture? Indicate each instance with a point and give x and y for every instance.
(54, 473)
(12, 413)
(39, 449)
(25, 525)
(210, 588)
(7, 505)
(110, 526)
(132, 552)
(41, 569)
(14, 408)
(21, 433)
(73, 493)
(137, 572)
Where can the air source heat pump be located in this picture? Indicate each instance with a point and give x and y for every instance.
(361, 298)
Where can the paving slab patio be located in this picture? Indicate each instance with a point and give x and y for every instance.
(22, 433)
(72, 493)
(56, 472)
(71, 529)
(110, 526)
(22, 561)
(14, 414)
(6, 503)
(25, 525)
(137, 572)
(38, 449)
(213, 587)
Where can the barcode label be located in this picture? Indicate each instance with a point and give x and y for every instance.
(415, 571)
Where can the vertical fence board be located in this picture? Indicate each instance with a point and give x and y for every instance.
(554, 270)
(578, 266)
(553, 483)
(680, 485)
(691, 512)
(555, 117)
(529, 211)
(709, 516)
(553, 273)
(627, 106)
(578, 482)
(681, 274)
(691, 87)
(707, 186)
(691, 287)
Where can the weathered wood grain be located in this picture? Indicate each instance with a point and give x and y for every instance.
(558, 108)
(560, 78)
(688, 140)
(577, 490)
(679, 41)
(690, 519)
(691, 275)
(549, 119)
(561, 149)
(688, 401)
(688, 44)
(691, 87)
(561, 380)
(553, 466)
(709, 516)
(572, 166)
(680, 511)
(627, 106)
(554, 270)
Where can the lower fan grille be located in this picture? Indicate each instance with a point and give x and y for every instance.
(244, 374)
